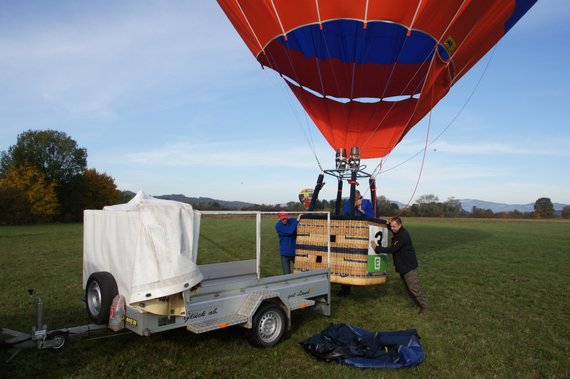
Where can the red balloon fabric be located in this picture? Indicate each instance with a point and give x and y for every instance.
(366, 71)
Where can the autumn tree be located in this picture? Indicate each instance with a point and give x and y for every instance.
(90, 190)
(14, 207)
(427, 199)
(49, 168)
(385, 207)
(53, 153)
(427, 206)
(101, 190)
(477, 212)
(452, 208)
(544, 208)
(37, 190)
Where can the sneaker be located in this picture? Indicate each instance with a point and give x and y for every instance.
(424, 310)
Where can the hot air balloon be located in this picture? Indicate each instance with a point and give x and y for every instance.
(305, 196)
(366, 71)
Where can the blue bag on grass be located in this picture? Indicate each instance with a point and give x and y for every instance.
(356, 347)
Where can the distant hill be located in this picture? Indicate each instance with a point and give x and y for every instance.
(468, 204)
(205, 200)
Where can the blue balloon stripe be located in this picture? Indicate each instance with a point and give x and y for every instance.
(348, 41)
(521, 7)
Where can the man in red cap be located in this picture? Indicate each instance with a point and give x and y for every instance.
(287, 231)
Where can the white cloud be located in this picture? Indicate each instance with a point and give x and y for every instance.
(231, 154)
(94, 63)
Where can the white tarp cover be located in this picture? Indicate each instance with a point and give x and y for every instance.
(149, 245)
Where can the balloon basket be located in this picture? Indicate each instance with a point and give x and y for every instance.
(352, 262)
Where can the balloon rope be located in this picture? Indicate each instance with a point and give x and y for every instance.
(414, 18)
(417, 71)
(250, 27)
(456, 115)
(423, 157)
(366, 14)
(393, 104)
(307, 130)
(279, 20)
(319, 14)
(284, 79)
(421, 167)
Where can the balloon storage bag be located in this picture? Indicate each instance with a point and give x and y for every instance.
(360, 348)
(352, 261)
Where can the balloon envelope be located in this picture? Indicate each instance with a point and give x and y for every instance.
(366, 71)
(305, 196)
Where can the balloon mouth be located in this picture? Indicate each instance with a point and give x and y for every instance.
(344, 100)
(329, 65)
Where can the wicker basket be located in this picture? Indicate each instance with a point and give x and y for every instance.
(350, 262)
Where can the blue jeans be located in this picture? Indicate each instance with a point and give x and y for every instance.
(286, 263)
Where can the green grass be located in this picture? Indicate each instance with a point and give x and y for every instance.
(499, 290)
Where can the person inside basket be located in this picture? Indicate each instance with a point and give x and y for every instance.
(405, 261)
(286, 229)
(362, 207)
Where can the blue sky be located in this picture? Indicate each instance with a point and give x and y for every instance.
(167, 99)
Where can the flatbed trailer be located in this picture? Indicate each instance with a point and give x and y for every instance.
(231, 294)
(228, 294)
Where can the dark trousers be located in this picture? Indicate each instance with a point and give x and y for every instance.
(286, 263)
(412, 284)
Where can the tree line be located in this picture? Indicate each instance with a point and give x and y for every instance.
(430, 206)
(44, 178)
(424, 206)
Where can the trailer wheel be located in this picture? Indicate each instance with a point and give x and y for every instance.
(59, 339)
(100, 291)
(268, 326)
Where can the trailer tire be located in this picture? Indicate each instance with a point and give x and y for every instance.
(100, 291)
(268, 327)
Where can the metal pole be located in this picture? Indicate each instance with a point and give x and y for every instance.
(372, 183)
(338, 197)
(352, 192)
(39, 314)
(258, 244)
(329, 240)
(316, 191)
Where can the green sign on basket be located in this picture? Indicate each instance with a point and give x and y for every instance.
(377, 263)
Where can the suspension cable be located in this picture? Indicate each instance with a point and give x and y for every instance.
(423, 160)
(456, 116)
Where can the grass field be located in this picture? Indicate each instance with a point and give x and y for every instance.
(499, 292)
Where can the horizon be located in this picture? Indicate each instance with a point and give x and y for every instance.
(561, 205)
(162, 109)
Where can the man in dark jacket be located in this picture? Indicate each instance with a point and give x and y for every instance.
(405, 261)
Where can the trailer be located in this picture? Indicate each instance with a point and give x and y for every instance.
(140, 273)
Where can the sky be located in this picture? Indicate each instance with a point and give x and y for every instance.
(167, 99)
